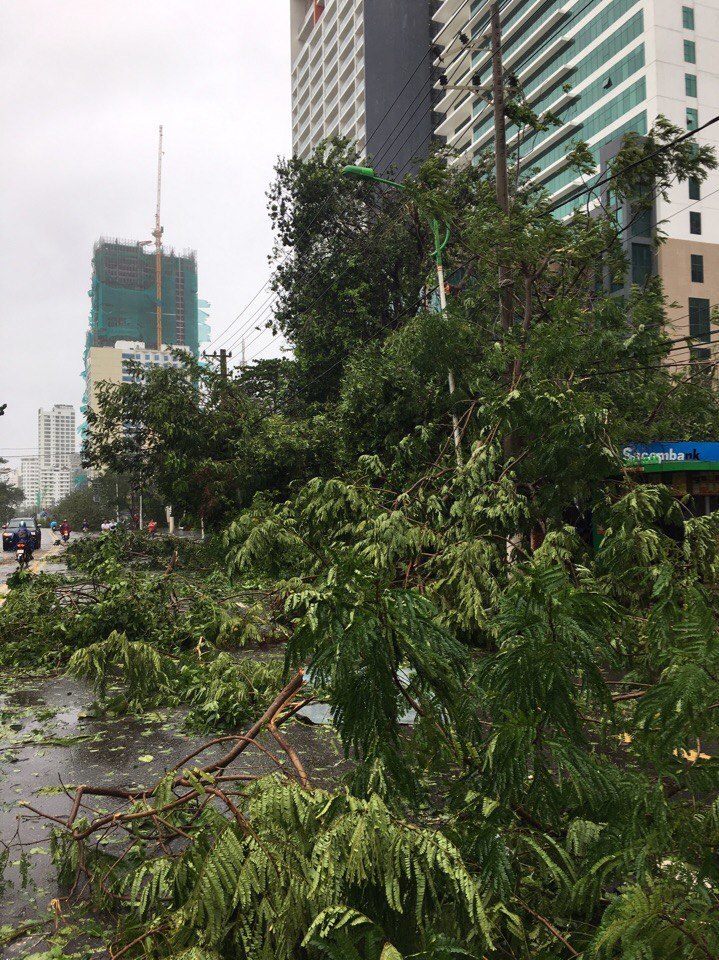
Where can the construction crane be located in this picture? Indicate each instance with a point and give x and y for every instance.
(157, 234)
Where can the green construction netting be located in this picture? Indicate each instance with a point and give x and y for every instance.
(124, 301)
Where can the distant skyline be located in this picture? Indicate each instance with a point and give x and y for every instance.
(83, 88)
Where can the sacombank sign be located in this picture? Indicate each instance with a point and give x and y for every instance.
(668, 452)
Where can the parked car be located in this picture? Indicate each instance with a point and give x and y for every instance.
(14, 524)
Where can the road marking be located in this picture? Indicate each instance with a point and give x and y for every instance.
(50, 555)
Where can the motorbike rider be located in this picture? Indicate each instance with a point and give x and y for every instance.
(23, 536)
(65, 529)
(85, 525)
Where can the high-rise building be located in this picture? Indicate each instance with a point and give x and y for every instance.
(30, 480)
(124, 309)
(124, 300)
(56, 436)
(605, 68)
(50, 476)
(361, 69)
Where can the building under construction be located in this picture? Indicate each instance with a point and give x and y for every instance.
(124, 316)
(124, 299)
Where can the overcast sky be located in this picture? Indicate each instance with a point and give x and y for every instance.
(84, 85)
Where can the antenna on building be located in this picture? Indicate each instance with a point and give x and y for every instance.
(157, 234)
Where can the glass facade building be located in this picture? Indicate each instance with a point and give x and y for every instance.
(603, 68)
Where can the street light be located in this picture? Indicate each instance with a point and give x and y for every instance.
(367, 173)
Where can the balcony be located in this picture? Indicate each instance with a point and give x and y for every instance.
(451, 27)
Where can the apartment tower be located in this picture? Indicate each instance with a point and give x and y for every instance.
(606, 68)
(56, 436)
(361, 69)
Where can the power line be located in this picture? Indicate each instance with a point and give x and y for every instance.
(461, 53)
(631, 166)
(216, 340)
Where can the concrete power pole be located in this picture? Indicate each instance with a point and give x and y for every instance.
(223, 356)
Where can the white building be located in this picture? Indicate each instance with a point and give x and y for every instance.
(57, 459)
(30, 480)
(55, 484)
(606, 68)
(360, 70)
(56, 436)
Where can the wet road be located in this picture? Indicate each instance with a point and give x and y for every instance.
(51, 740)
(48, 559)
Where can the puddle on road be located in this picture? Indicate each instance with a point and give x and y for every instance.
(49, 741)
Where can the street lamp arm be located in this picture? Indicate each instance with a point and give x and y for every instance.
(440, 247)
(369, 174)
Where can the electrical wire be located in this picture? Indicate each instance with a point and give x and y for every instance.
(586, 190)
(215, 342)
(270, 343)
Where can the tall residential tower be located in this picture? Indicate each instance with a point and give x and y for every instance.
(360, 68)
(605, 68)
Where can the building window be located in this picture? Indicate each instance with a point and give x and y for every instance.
(697, 268)
(690, 84)
(694, 189)
(695, 222)
(692, 118)
(641, 263)
(699, 319)
(690, 51)
(688, 18)
(642, 223)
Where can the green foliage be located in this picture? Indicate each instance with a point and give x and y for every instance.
(10, 497)
(144, 671)
(317, 874)
(531, 722)
(224, 693)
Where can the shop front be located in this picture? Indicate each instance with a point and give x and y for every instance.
(691, 469)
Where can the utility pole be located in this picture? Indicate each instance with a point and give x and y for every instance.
(506, 297)
(157, 234)
(223, 356)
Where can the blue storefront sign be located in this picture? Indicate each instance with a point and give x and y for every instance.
(668, 452)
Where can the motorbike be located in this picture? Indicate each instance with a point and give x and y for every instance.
(22, 555)
(66, 536)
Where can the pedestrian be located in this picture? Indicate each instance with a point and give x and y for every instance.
(152, 527)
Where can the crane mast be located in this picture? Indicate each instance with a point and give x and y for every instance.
(157, 234)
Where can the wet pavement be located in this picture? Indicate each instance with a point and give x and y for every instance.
(51, 741)
(48, 559)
